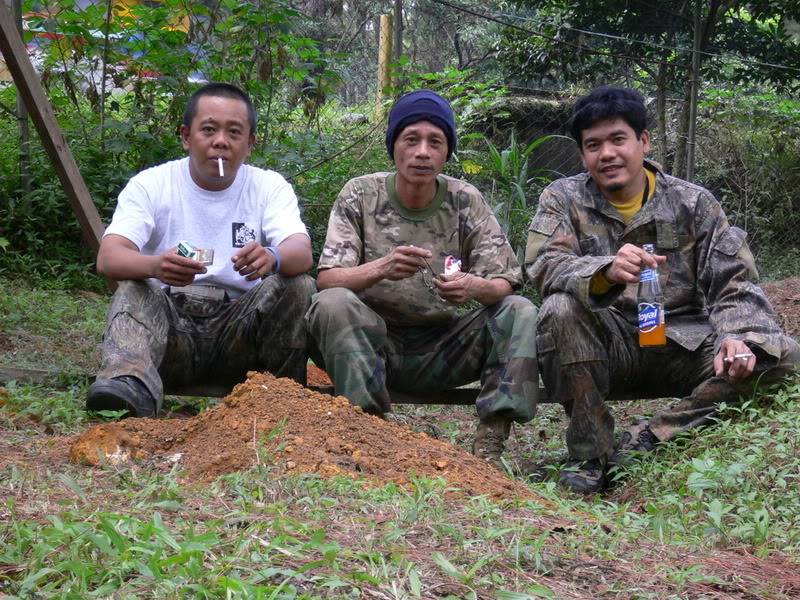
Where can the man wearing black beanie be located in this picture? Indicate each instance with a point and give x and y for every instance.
(403, 251)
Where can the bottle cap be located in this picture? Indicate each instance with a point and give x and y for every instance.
(649, 248)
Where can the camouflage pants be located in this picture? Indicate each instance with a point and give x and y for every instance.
(363, 355)
(585, 356)
(150, 336)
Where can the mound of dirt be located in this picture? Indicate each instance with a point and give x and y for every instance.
(784, 296)
(317, 377)
(297, 430)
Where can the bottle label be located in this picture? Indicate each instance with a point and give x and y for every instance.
(650, 316)
(647, 275)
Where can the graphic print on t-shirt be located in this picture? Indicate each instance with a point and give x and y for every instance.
(241, 234)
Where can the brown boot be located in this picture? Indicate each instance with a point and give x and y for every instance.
(490, 439)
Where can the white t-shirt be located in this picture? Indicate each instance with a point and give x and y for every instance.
(163, 205)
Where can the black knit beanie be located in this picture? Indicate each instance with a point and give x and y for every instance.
(421, 105)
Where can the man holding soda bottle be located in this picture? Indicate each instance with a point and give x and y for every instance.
(586, 256)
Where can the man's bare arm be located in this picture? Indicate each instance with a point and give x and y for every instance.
(119, 259)
(465, 287)
(254, 261)
(400, 263)
(296, 254)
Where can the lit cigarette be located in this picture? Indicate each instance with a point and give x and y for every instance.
(221, 169)
(744, 355)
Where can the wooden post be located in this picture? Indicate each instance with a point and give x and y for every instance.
(22, 117)
(384, 58)
(41, 113)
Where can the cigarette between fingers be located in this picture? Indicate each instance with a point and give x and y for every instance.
(743, 355)
(221, 169)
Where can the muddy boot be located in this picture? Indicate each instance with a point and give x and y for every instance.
(490, 439)
(635, 441)
(121, 393)
(583, 476)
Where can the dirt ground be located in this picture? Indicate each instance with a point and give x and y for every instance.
(296, 430)
(785, 298)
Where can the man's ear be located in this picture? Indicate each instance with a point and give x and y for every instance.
(645, 137)
(251, 141)
(185, 137)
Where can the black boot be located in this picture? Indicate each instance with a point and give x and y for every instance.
(121, 393)
(583, 476)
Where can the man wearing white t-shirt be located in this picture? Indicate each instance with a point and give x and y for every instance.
(176, 320)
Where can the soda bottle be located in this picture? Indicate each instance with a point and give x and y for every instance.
(650, 301)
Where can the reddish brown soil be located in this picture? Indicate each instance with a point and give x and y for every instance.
(297, 430)
(317, 377)
(785, 298)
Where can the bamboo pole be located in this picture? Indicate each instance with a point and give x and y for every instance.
(384, 58)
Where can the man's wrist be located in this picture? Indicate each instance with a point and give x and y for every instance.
(276, 267)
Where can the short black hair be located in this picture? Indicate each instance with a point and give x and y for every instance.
(219, 90)
(608, 102)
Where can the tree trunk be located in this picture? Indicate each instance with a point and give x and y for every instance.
(679, 166)
(661, 115)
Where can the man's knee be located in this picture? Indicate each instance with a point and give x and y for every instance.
(140, 299)
(567, 330)
(136, 291)
(558, 311)
(340, 322)
(333, 305)
(301, 286)
(521, 311)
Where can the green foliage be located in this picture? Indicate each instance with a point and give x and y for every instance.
(60, 411)
(117, 127)
(510, 186)
(471, 98)
(756, 177)
(733, 484)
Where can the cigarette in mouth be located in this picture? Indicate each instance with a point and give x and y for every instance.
(744, 355)
(221, 169)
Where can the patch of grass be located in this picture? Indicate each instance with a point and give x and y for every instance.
(50, 329)
(735, 483)
(57, 410)
(50, 312)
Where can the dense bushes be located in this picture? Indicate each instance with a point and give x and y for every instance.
(748, 149)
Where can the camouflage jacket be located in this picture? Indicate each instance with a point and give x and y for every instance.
(709, 278)
(367, 222)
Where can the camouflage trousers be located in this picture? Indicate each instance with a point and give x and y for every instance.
(585, 356)
(150, 335)
(363, 355)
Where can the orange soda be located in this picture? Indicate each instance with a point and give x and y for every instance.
(650, 302)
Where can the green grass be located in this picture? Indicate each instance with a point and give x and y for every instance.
(678, 524)
(53, 329)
